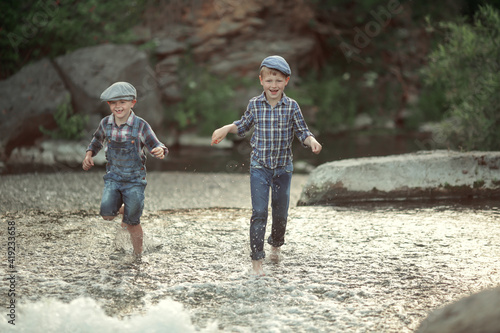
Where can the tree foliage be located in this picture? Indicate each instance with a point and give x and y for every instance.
(467, 66)
(70, 126)
(33, 29)
(206, 99)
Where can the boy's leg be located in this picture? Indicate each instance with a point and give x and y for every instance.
(259, 187)
(280, 200)
(133, 199)
(111, 200)
(136, 236)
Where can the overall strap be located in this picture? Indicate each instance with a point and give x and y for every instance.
(137, 139)
(109, 128)
(135, 128)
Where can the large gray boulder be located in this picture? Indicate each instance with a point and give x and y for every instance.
(29, 99)
(89, 71)
(437, 174)
(476, 313)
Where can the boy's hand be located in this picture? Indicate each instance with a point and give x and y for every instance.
(315, 145)
(158, 152)
(88, 161)
(218, 135)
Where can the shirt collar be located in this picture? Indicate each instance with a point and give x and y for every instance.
(130, 120)
(284, 99)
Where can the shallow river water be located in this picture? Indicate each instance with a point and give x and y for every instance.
(372, 268)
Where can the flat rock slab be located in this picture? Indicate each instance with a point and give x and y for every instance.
(439, 174)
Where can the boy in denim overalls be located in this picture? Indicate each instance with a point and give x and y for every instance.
(276, 118)
(125, 136)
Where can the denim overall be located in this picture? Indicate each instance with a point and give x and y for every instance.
(125, 179)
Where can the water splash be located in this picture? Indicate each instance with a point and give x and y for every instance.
(85, 315)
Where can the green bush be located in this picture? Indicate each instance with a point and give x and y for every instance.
(69, 126)
(328, 94)
(430, 107)
(467, 67)
(207, 100)
(334, 98)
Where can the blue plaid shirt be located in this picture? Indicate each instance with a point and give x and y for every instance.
(274, 129)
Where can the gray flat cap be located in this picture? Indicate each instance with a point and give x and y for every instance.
(119, 91)
(278, 63)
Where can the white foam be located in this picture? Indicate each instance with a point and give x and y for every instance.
(84, 315)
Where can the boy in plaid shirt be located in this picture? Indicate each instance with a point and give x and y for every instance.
(125, 136)
(276, 118)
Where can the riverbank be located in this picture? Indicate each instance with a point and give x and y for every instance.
(80, 190)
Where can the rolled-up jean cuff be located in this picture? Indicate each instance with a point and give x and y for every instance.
(258, 255)
(132, 222)
(272, 242)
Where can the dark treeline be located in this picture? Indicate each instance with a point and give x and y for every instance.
(400, 62)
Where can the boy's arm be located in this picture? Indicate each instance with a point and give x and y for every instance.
(300, 127)
(220, 133)
(238, 127)
(155, 147)
(96, 144)
(94, 147)
(303, 133)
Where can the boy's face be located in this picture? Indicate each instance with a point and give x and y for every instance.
(274, 84)
(121, 109)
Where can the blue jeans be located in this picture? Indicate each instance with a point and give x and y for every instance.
(261, 180)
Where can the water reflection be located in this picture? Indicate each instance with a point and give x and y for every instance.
(346, 269)
(335, 147)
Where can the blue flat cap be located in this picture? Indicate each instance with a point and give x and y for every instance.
(278, 63)
(119, 91)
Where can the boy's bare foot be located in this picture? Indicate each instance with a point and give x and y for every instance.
(275, 255)
(257, 267)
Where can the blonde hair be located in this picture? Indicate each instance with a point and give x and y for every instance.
(271, 71)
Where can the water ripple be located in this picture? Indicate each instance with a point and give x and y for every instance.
(343, 269)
